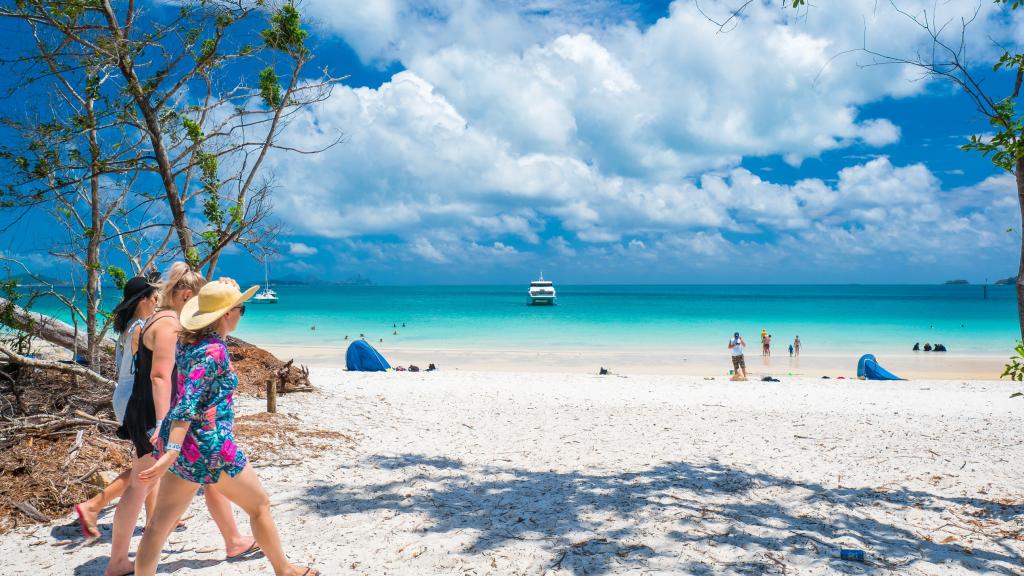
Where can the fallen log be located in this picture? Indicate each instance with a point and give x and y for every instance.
(58, 366)
(49, 328)
(32, 512)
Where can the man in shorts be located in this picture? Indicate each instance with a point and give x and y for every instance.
(739, 367)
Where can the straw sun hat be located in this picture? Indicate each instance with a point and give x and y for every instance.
(213, 301)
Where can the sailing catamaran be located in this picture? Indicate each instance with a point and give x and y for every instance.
(265, 296)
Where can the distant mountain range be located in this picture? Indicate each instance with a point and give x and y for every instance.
(1004, 282)
(40, 280)
(294, 280)
(356, 280)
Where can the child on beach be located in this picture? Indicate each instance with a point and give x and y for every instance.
(196, 439)
(736, 350)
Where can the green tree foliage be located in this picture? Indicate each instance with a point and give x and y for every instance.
(143, 128)
(1015, 368)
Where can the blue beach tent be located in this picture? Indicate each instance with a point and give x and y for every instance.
(361, 357)
(868, 369)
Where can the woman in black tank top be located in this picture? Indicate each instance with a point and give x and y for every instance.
(140, 415)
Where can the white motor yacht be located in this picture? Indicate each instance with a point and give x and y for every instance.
(542, 292)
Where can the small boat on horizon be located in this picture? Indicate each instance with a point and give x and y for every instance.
(265, 296)
(541, 292)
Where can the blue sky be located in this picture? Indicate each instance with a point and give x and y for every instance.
(622, 142)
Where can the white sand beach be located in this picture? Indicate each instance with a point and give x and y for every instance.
(515, 473)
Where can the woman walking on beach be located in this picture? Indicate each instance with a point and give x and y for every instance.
(149, 403)
(196, 441)
(139, 302)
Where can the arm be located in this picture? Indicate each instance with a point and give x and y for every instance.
(165, 338)
(135, 340)
(181, 415)
(176, 437)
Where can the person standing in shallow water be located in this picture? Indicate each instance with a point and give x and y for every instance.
(196, 440)
(739, 367)
(796, 345)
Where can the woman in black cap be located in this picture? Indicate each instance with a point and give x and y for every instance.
(138, 303)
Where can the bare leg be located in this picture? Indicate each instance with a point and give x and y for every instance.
(91, 508)
(220, 511)
(125, 518)
(246, 491)
(175, 496)
(151, 502)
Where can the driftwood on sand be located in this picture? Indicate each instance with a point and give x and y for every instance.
(255, 366)
(57, 422)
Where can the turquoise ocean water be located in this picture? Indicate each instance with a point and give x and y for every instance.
(689, 318)
(827, 318)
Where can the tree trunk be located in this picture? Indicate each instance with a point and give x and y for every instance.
(1020, 268)
(52, 330)
(93, 289)
(151, 117)
(212, 266)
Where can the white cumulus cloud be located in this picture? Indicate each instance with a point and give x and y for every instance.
(513, 131)
(300, 249)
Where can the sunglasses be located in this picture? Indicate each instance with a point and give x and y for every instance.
(241, 310)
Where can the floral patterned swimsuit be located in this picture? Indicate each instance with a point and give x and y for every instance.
(204, 391)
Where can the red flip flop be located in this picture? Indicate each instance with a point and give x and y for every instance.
(88, 531)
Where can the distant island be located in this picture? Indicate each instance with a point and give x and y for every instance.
(355, 280)
(28, 281)
(1007, 281)
(957, 282)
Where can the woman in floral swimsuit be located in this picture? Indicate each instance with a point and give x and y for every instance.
(204, 394)
(197, 440)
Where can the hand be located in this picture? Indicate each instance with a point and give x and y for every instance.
(154, 438)
(154, 472)
(229, 281)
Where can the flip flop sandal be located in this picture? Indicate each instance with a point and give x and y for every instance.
(306, 573)
(249, 553)
(88, 530)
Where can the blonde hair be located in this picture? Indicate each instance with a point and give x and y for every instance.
(179, 277)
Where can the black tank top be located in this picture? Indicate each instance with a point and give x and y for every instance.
(140, 414)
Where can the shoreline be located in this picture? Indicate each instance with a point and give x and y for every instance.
(703, 363)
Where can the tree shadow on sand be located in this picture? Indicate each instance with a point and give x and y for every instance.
(711, 518)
